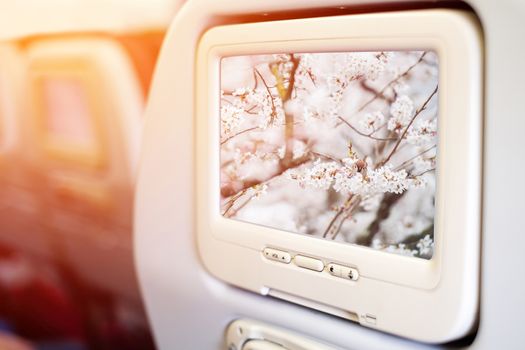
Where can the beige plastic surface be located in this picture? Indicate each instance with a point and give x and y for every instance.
(392, 288)
(174, 284)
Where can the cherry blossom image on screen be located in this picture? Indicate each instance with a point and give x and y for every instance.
(340, 146)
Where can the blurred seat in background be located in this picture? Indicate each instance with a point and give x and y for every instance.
(70, 125)
(18, 203)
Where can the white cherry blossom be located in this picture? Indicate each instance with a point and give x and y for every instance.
(401, 113)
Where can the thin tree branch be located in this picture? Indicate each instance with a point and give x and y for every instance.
(236, 210)
(349, 213)
(231, 201)
(376, 130)
(237, 134)
(329, 229)
(274, 109)
(228, 191)
(422, 173)
(382, 91)
(379, 94)
(420, 109)
(365, 135)
(414, 157)
(332, 222)
(322, 155)
(311, 76)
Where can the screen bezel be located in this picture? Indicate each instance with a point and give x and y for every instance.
(458, 170)
(415, 272)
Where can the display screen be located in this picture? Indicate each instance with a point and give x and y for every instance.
(68, 115)
(340, 146)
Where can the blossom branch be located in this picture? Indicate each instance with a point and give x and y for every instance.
(234, 199)
(274, 109)
(406, 162)
(348, 214)
(376, 93)
(239, 133)
(420, 109)
(344, 212)
(422, 173)
(231, 201)
(396, 79)
(325, 156)
(228, 191)
(388, 85)
(364, 134)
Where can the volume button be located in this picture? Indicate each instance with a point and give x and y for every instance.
(277, 255)
(345, 272)
(349, 273)
(334, 270)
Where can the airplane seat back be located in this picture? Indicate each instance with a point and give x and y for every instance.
(176, 285)
(81, 147)
(11, 78)
(18, 203)
(82, 74)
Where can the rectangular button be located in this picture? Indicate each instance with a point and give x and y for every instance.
(308, 263)
(346, 272)
(277, 255)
